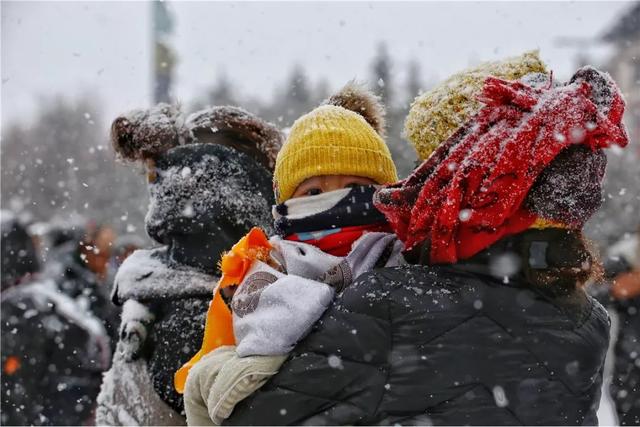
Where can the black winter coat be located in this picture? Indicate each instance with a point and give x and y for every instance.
(625, 385)
(179, 299)
(53, 356)
(441, 345)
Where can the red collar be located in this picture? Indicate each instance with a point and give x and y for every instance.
(340, 243)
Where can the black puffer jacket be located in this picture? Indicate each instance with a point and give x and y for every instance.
(441, 345)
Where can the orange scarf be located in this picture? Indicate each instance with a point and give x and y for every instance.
(218, 329)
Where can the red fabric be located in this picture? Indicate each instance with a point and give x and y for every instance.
(469, 193)
(339, 244)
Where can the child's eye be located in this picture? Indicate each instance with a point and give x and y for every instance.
(313, 192)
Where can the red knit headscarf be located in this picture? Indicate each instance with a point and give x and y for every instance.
(469, 193)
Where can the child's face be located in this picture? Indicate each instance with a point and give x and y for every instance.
(325, 183)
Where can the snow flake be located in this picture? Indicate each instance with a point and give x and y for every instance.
(577, 135)
(335, 362)
(187, 211)
(559, 137)
(500, 397)
(464, 215)
(504, 265)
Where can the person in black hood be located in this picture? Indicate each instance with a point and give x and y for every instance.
(79, 268)
(622, 268)
(209, 179)
(491, 324)
(19, 257)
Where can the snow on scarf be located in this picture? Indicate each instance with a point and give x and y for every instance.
(469, 193)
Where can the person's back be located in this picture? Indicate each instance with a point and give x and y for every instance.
(491, 325)
(441, 345)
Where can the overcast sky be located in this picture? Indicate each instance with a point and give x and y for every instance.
(103, 47)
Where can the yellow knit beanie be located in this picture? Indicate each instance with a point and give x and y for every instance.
(342, 137)
(435, 115)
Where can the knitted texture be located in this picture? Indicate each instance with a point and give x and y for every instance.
(435, 115)
(470, 193)
(331, 140)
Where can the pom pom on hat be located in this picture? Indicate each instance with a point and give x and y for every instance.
(355, 97)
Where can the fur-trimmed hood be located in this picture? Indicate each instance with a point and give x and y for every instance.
(144, 276)
(254, 136)
(146, 133)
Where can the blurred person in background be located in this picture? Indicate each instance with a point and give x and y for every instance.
(19, 255)
(51, 236)
(53, 350)
(80, 268)
(623, 267)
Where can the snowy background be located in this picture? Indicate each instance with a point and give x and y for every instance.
(69, 67)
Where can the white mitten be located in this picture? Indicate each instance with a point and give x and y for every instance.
(136, 319)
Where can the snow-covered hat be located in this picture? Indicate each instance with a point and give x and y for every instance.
(530, 158)
(210, 174)
(146, 133)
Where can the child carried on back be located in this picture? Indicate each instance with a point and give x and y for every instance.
(272, 291)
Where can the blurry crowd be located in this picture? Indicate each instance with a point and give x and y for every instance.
(59, 326)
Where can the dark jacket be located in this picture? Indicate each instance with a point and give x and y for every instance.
(18, 255)
(163, 329)
(443, 345)
(75, 279)
(53, 356)
(625, 384)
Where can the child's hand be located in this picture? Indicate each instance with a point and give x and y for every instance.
(365, 256)
(338, 277)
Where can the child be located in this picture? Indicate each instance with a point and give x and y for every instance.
(328, 233)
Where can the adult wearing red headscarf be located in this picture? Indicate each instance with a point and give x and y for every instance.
(490, 325)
